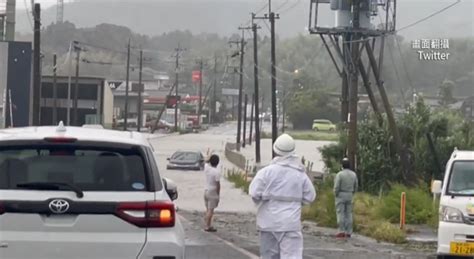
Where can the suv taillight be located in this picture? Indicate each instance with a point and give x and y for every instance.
(149, 214)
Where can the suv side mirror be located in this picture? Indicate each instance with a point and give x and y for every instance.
(171, 188)
(436, 187)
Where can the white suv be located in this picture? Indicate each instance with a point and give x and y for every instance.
(68, 192)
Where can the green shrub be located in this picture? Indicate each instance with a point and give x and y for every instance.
(419, 205)
(238, 179)
(307, 135)
(365, 211)
(332, 156)
(378, 162)
(385, 231)
(366, 219)
(323, 209)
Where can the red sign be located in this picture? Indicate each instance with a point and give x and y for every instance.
(196, 76)
(171, 101)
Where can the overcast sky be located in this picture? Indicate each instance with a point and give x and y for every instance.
(413, 11)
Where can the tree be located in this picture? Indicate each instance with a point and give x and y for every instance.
(308, 104)
(446, 93)
(378, 163)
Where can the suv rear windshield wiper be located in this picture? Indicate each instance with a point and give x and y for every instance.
(51, 186)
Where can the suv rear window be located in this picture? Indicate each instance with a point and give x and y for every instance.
(88, 168)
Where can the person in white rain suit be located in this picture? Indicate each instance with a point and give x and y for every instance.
(279, 190)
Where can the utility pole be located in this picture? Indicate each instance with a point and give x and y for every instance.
(272, 17)
(283, 107)
(213, 105)
(155, 126)
(55, 91)
(241, 86)
(10, 20)
(388, 109)
(178, 51)
(68, 108)
(76, 87)
(233, 97)
(60, 11)
(140, 89)
(256, 90)
(251, 118)
(37, 65)
(345, 84)
(274, 82)
(127, 81)
(200, 104)
(354, 31)
(353, 86)
(245, 119)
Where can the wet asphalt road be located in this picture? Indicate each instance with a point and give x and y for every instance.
(237, 236)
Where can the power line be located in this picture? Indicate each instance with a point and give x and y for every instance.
(308, 62)
(282, 5)
(291, 7)
(28, 14)
(404, 64)
(105, 48)
(392, 58)
(256, 13)
(266, 25)
(430, 16)
(412, 24)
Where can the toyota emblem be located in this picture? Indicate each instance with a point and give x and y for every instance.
(59, 206)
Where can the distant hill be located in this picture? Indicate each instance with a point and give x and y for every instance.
(154, 17)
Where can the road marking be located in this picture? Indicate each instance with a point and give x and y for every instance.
(241, 250)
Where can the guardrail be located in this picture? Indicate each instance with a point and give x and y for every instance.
(239, 160)
(235, 157)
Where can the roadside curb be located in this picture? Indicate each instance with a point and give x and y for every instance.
(422, 240)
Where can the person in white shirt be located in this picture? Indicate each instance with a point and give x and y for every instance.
(212, 192)
(279, 190)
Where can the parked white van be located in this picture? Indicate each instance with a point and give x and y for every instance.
(456, 211)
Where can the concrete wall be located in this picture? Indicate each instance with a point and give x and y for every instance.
(108, 108)
(235, 157)
(15, 75)
(119, 102)
(90, 103)
(3, 76)
(19, 82)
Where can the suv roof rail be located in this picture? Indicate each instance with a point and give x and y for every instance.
(454, 154)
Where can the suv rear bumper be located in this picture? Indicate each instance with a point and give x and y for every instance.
(164, 244)
(162, 251)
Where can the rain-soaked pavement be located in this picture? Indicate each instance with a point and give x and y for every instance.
(237, 236)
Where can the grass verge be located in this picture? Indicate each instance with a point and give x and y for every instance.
(308, 135)
(238, 179)
(366, 220)
(375, 217)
